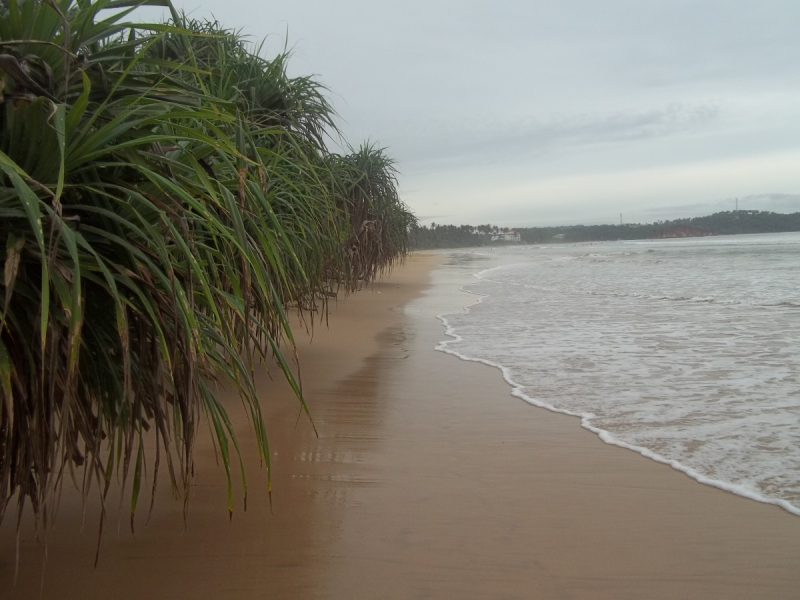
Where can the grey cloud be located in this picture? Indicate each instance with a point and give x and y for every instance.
(472, 97)
(446, 147)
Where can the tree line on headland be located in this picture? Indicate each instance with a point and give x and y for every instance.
(167, 197)
(452, 236)
(721, 223)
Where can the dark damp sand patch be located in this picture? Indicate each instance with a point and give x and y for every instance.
(429, 481)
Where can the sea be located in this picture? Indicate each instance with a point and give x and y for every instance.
(684, 350)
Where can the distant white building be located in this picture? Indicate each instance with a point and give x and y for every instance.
(508, 236)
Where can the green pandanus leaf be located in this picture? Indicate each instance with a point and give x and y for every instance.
(31, 205)
(14, 247)
(168, 196)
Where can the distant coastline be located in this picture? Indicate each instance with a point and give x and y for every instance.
(682, 231)
(721, 223)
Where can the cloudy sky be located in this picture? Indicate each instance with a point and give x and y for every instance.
(561, 111)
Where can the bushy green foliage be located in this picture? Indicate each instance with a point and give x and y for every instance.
(721, 223)
(453, 236)
(165, 195)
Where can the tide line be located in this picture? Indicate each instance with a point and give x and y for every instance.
(604, 435)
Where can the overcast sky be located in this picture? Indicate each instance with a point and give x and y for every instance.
(565, 111)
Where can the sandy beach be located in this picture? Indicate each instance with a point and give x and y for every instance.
(427, 480)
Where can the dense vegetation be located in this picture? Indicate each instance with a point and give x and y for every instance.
(721, 223)
(452, 236)
(166, 195)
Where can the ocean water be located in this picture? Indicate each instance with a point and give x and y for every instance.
(687, 351)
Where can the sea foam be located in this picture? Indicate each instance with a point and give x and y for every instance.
(707, 388)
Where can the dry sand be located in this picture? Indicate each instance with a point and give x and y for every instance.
(428, 480)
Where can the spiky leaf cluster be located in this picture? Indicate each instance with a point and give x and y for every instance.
(166, 195)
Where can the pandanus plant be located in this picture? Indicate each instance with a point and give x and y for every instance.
(379, 224)
(165, 195)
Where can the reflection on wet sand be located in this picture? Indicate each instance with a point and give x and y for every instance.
(280, 547)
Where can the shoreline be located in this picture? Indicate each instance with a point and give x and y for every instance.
(585, 420)
(427, 480)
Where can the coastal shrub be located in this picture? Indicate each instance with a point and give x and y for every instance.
(166, 195)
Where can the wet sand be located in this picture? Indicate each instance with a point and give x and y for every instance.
(428, 480)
